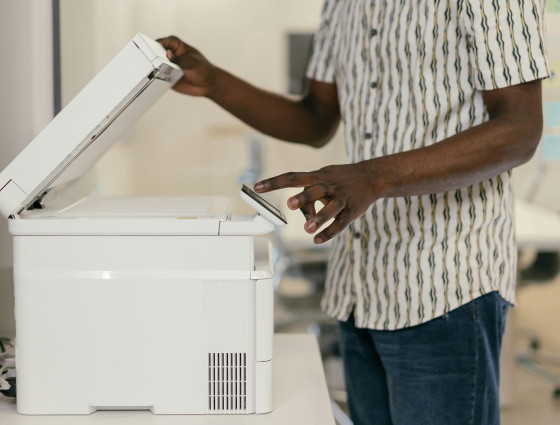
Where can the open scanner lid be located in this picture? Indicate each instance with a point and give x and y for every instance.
(90, 124)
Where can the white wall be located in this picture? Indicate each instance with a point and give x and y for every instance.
(26, 106)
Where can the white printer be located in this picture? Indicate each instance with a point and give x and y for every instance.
(161, 304)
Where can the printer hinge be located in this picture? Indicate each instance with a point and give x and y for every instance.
(38, 203)
(162, 72)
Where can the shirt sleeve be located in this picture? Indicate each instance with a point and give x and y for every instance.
(321, 65)
(506, 41)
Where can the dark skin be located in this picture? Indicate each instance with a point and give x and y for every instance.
(507, 140)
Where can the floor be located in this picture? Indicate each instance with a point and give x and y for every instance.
(534, 403)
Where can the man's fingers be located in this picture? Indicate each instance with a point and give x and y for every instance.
(174, 44)
(337, 226)
(331, 210)
(308, 211)
(286, 180)
(171, 43)
(308, 196)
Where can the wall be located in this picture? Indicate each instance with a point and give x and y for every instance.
(26, 107)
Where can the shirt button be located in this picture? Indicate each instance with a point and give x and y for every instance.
(373, 32)
(368, 135)
(357, 235)
(373, 85)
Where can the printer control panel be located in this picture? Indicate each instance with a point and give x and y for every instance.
(264, 208)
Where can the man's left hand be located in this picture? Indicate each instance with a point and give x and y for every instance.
(346, 192)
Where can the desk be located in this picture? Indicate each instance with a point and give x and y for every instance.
(300, 396)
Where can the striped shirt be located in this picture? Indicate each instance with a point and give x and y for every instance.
(410, 74)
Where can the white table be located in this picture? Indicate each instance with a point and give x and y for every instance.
(300, 396)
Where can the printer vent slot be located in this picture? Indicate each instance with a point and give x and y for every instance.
(227, 382)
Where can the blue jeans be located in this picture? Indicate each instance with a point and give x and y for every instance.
(445, 371)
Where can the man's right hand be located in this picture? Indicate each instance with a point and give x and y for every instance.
(199, 74)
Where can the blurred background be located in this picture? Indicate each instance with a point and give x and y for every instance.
(187, 146)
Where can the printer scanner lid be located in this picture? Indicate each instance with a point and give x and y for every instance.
(89, 125)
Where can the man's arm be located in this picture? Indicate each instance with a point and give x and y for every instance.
(311, 120)
(507, 140)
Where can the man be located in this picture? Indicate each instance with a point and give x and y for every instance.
(440, 100)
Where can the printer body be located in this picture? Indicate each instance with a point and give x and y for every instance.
(122, 303)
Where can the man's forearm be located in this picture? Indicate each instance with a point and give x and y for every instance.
(311, 120)
(306, 121)
(464, 159)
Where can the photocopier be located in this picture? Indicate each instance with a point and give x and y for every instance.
(122, 303)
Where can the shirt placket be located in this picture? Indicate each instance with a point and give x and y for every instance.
(373, 82)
